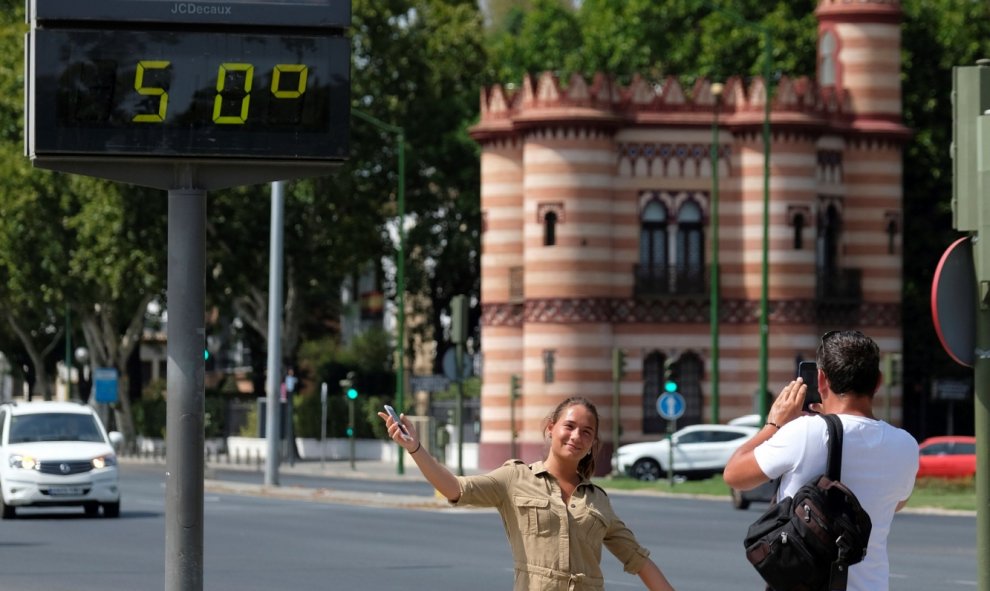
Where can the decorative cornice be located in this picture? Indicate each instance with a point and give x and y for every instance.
(686, 311)
(872, 11)
(797, 104)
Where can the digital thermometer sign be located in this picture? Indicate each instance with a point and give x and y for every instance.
(159, 93)
(160, 83)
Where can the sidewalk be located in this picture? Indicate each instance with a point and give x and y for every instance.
(370, 471)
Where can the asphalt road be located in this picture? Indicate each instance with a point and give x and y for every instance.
(257, 542)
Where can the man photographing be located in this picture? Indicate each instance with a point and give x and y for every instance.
(879, 461)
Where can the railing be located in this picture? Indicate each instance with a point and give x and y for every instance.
(670, 280)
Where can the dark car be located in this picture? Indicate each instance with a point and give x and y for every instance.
(947, 456)
(761, 494)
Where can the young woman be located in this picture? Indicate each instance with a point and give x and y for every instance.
(555, 518)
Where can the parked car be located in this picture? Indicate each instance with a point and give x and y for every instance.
(765, 493)
(699, 450)
(947, 456)
(57, 454)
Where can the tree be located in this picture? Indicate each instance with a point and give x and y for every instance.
(415, 65)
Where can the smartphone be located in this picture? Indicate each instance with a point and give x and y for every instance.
(395, 417)
(808, 371)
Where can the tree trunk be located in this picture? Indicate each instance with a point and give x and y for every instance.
(41, 381)
(109, 348)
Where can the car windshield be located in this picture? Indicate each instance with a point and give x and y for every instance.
(54, 427)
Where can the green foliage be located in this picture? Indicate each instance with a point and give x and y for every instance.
(655, 39)
(150, 411)
(934, 41)
(325, 361)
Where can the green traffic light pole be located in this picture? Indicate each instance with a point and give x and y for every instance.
(400, 287)
(714, 294)
(764, 273)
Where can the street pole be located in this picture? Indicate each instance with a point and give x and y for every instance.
(765, 279)
(400, 280)
(184, 434)
(981, 364)
(68, 353)
(970, 151)
(714, 290)
(273, 431)
(323, 425)
(764, 326)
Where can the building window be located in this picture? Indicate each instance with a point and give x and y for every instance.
(550, 229)
(892, 229)
(652, 386)
(671, 248)
(827, 62)
(829, 235)
(548, 362)
(690, 370)
(799, 231)
(690, 249)
(549, 215)
(653, 236)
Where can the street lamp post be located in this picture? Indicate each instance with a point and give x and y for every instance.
(400, 288)
(763, 402)
(765, 280)
(714, 291)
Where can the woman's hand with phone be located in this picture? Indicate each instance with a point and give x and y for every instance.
(400, 429)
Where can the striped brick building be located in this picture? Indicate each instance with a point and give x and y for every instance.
(597, 232)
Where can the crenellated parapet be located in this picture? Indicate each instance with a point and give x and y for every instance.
(545, 101)
(850, 10)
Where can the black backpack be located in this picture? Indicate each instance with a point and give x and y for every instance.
(807, 542)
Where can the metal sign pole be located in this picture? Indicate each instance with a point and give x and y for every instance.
(274, 334)
(186, 401)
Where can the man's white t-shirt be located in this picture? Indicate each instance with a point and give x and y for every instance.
(879, 463)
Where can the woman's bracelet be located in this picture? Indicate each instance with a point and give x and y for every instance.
(419, 444)
(773, 424)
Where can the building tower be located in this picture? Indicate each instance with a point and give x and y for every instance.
(597, 232)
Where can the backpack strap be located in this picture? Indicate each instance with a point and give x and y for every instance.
(834, 465)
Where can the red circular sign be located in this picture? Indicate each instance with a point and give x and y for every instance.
(954, 302)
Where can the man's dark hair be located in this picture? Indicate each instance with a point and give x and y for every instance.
(851, 362)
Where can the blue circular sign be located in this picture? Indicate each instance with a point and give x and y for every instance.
(671, 405)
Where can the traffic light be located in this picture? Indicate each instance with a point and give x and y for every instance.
(670, 375)
(514, 383)
(352, 393)
(618, 364)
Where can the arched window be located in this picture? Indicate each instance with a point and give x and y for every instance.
(827, 62)
(690, 249)
(550, 229)
(653, 246)
(652, 378)
(829, 234)
(799, 231)
(690, 371)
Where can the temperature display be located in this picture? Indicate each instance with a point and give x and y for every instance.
(190, 94)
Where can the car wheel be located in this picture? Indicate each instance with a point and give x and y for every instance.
(6, 511)
(111, 509)
(738, 501)
(91, 509)
(646, 469)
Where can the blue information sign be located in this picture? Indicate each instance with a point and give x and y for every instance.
(105, 384)
(670, 405)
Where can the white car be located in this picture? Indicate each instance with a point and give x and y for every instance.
(699, 450)
(57, 454)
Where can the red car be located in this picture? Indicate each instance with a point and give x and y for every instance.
(948, 456)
